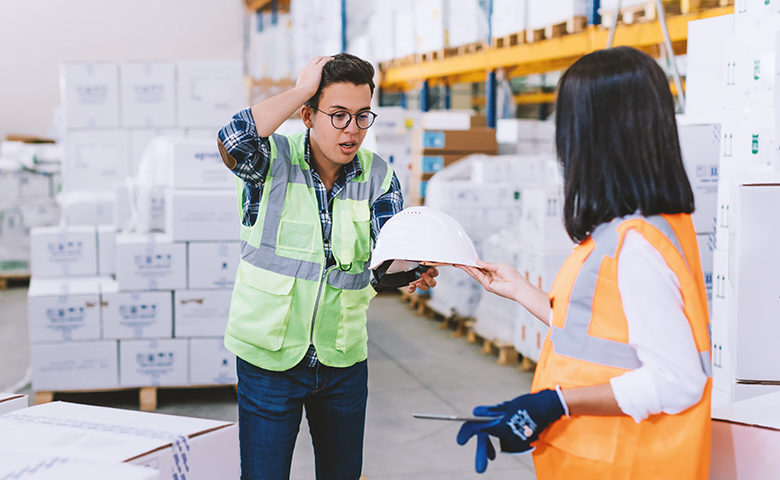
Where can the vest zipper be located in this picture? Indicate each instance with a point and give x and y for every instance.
(317, 301)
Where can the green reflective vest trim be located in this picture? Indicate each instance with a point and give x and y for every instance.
(284, 298)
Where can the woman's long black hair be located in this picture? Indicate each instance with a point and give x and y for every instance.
(616, 138)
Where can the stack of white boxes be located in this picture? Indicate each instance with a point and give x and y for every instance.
(140, 222)
(392, 131)
(700, 147)
(29, 180)
(114, 111)
(203, 214)
(67, 348)
(485, 194)
(733, 58)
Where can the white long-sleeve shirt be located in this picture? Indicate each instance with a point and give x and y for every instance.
(670, 379)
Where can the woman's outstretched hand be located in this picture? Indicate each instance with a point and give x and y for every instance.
(503, 280)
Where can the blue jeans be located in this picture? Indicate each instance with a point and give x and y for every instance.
(270, 406)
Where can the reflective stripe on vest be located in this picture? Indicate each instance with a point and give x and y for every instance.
(573, 339)
(265, 256)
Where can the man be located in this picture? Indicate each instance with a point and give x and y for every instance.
(312, 204)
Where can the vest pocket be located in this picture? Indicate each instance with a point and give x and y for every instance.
(260, 307)
(353, 240)
(352, 318)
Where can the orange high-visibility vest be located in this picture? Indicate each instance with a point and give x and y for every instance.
(587, 344)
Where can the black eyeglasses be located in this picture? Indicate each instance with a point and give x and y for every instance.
(342, 119)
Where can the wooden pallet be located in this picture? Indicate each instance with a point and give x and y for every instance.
(147, 396)
(473, 47)
(572, 25)
(508, 40)
(439, 54)
(416, 302)
(455, 323)
(507, 355)
(643, 12)
(527, 365)
(14, 280)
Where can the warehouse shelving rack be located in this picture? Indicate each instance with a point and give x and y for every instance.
(539, 57)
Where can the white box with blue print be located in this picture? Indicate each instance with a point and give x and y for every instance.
(150, 262)
(137, 314)
(63, 251)
(155, 362)
(212, 264)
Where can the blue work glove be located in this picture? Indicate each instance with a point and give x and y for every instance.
(519, 422)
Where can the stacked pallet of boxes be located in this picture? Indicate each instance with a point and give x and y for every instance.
(733, 58)
(443, 138)
(392, 135)
(533, 240)
(114, 111)
(29, 180)
(482, 193)
(89, 330)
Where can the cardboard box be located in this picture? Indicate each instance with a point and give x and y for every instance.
(148, 94)
(137, 314)
(167, 443)
(211, 133)
(212, 264)
(700, 147)
(432, 163)
(432, 142)
(64, 310)
(60, 252)
(514, 130)
(211, 363)
(74, 366)
(745, 439)
(37, 466)
(141, 138)
(201, 313)
(140, 207)
(197, 164)
(12, 401)
(94, 160)
(106, 247)
(452, 119)
(542, 221)
(706, 243)
(87, 208)
(208, 93)
(150, 262)
(540, 15)
(757, 261)
(202, 215)
(157, 362)
(542, 265)
(430, 17)
(90, 95)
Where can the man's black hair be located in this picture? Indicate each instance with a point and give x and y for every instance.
(616, 138)
(344, 68)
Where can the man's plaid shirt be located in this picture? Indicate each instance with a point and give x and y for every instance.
(252, 155)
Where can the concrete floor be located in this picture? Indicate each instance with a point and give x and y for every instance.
(413, 367)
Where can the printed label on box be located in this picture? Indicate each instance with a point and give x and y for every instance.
(433, 140)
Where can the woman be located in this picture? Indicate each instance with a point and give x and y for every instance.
(622, 387)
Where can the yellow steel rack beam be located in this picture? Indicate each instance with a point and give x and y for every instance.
(548, 55)
(254, 5)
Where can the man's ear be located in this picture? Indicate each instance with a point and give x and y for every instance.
(307, 115)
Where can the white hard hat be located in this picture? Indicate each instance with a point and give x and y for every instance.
(422, 234)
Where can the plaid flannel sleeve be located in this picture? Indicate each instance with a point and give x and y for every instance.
(243, 150)
(390, 203)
